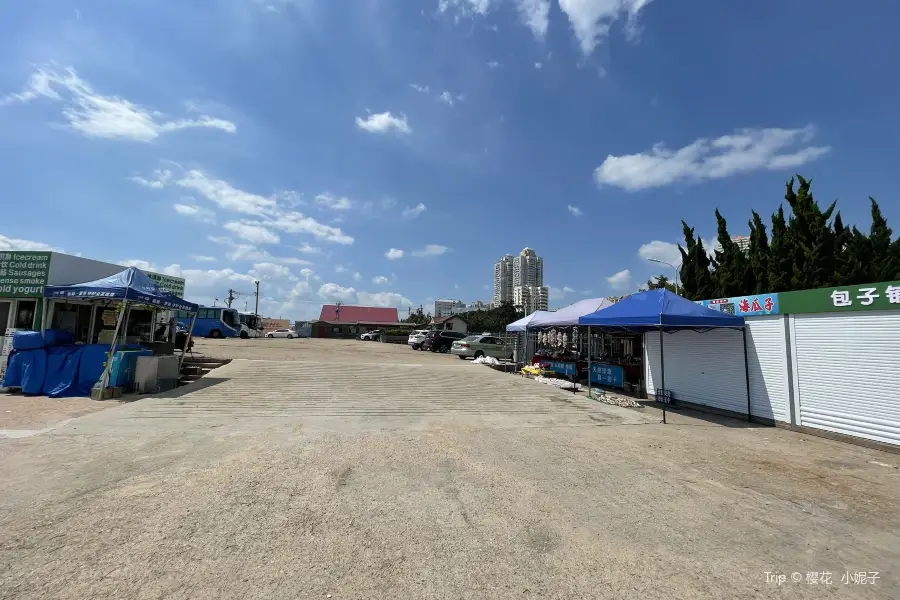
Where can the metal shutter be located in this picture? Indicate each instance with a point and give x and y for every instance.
(703, 368)
(847, 377)
(767, 358)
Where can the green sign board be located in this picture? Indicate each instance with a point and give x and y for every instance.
(23, 274)
(173, 285)
(868, 296)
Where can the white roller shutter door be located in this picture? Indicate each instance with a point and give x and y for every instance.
(848, 373)
(703, 368)
(767, 358)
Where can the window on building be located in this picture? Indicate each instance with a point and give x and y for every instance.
(25, 314)
(4, 316)
(74, 318)
(335, 330)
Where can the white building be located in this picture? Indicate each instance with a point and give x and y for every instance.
(531, 298)
(476, 305)
(528, 269)
(503, 280)
(445, 308)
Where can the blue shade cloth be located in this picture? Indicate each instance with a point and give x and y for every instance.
(522, 324)
(34, 369)
(13, 376)
(131, 284)
(90, 368)
(660, 308)
(27, 340)
(569, 315)
(62, 371)
(58, 337)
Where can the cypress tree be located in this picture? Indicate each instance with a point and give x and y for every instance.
(705, 285)
(781, 258)
(730, 264)
(883, 266)
(842, 259)
(688, 264)
(759, 254)
(811, 240)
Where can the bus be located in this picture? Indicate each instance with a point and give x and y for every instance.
(213, 321)
(251, 326)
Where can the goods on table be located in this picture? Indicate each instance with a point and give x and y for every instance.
(560, 383)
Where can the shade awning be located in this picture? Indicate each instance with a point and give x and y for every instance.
(132, 284)
(660, 309)
(522, 324)
(569, 315)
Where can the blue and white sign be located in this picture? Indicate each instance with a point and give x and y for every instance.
(561, 367)
(610, 375)
(745, 306)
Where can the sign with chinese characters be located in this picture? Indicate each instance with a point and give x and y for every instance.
(167, 283)
(665, 397)
(560, 367)
(745, 306)
(610, 375)
(869, 296)
(23, 274)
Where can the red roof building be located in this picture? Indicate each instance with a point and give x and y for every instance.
(358, 314)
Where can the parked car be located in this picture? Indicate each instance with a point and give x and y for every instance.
(375, 334)
(440, 341)
(416, 338)
(475, 346)
(281, 333)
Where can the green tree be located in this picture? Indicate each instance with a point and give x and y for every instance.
(759, 254)
(882, 262)
(419, 317)
(705, 285)
(660, 282)
(731, 268)
(689, 283)
(780, 255)
(494, 320)
(811, 239)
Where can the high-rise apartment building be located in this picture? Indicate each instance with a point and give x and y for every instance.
(445, 308)
(520, 280)
(503, 280)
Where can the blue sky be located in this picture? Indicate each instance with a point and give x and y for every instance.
(388, 152)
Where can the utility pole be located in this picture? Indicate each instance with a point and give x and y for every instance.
(230, 298)
(337, 310)
(256, 310)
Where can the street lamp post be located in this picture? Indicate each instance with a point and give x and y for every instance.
(674, 269)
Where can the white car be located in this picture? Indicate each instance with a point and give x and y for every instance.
(375, 334)
(281, 333)
(416, 338)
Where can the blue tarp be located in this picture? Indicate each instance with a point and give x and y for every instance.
(655, 309)
(62, 371)
(27, 340)
(34, 370)
(131, 284)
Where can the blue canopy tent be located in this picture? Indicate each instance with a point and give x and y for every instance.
(665, 311)
(131, 285)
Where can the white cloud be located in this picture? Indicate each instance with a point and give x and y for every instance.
(295, 222)
(203, 258)
(225, 195)
(255, 234)
(446, 98)
(422, 89)
(268, 272)
(575, 210)
(158, 180)
(415, 211)
(7, 244)
(592, 19)
(663, 251)
(560, 293)
(431, 250)
(621, 280)
(744, 150)
(465, 7)
(204, 215)
(493, 64)
(538, 65)
(380, 280)
(95, 115)
(249, 252)
(333, 202)
(536, 14)
(383, 123)
(339, 268)
(383, 299)
(388, 203)
(357, 276)
(394, 254)
(307, 249)
(332, 292)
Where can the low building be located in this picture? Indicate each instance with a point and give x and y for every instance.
(274, 324)
(23, 276)
(531, 298)
(474, 306)
(445, 308)
(345, 321)
(451, 323)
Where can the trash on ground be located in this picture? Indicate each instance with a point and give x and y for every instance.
(610, 398)
(486, 360)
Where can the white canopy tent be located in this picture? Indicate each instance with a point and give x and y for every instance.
(569, 315)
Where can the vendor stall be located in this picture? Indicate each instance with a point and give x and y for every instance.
(664, 312)
(114, 313)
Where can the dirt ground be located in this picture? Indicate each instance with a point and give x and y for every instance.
(329, 469)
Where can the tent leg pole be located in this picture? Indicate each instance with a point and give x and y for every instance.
(662, 371)
(747, 374)
(589, 362)
(112, 349)
(187, 342)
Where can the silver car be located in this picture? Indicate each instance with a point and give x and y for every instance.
(475, 346)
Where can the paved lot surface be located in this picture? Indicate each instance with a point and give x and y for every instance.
(309, 468)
